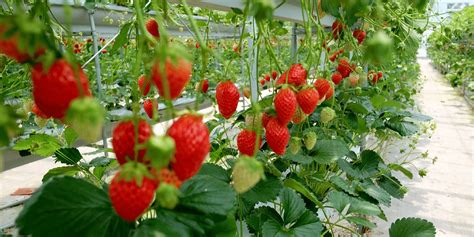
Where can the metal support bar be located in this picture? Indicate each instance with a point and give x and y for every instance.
(253, 62)
(294, 43)
(97, 69)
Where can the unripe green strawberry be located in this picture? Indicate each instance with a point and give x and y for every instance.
(309, 139)
(160, 150)
(295, 145)
(327, 114)
(86, 116)
(246, 173)
(167, 195)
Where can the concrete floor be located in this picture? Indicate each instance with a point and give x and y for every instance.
(446, 195)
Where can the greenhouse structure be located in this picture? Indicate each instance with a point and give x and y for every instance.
(273, 118)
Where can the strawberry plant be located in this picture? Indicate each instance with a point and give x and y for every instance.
(304, 157)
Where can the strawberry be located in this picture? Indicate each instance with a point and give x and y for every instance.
(277, 136)
(9, 45)
(151, 107)
(274, 75)
(295, 145)
(144, 85)
(379, 75)
(246, 142)
(336, 78)
(178, 74)
(337, 28)
(38, 112)
(327, 115)
(359, 35)
(130, 197)
(86, 116)
(296, 76)
(373, 77)
(204, 86)
(262, 82)
(152, 27)
(123, 141)
(191, 138)
(197, 45)
(54, 89)
(308, 99)
(325, 89)
(267, 77)
(227, 97)
(333, 57)
(344, 68)
(285, 105)
(167, 195)
(168, 176)
(246, 173)
(265, 118)
(246, 92)
(309, 139)
(299, 116)
(353, 80)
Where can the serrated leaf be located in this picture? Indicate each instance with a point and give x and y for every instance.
(214, 171)
(207, 195)
(377, 193)
(340, 201)
(259, 216)
(361, 221)
(265, 190)
(343, 184)
(70, 136)
(69, 156)
(412, 227)
(100, 161)
(298, 158)
(67, 206)
(404, 128)
(39, 144)
(402, 169)
(298, 187)
(122, 38)
(357, 108)
(328, 151)
(366, 167)
(392, 186)
(292, 204)
(237, 11)
(307, 226)
(331, 7)
(64, 170)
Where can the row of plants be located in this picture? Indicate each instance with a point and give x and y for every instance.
(450, 48)
(295, 163)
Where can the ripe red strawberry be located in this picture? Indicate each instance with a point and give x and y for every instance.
(205, 86)
(191, 138)
(274, 75)
(9, 46)
(53, 90)
(262, 82)
(265, 118)
(325, 89)
(344, 68)
(359, 35)
(333, 57)
(379, 75)
(123, 141)
(131, 199)
(144, 85)
(227, 96)
(337, 27)
(296, 76)
(267, 77)
(285, 105)
(308, 99)
(150, 106)
(38, 112)
(246, 142)
(152, 27)
(197, 45)
(167, 176)
(299, 116)
(277, 136)
(336, 78)
(177, 75)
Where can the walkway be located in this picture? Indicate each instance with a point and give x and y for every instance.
(446, 195)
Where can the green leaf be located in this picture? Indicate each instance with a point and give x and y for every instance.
(265, 190)
(392, 186)
(292, 204)
(39, 144)
(404, 128)
(68, 156)
(357, 108)
(208, 195)
(70, 136)
(412, 227)
(331, 7)
(340, 200)
(361, 221)
(122, 38)
(174, 224)
(64, 170)
(420, 117)
(101, 161)
(366, 167)
(237, 11)
(307, 226)
(328, 151)
(67, 206)
(214, 171)
(298, 187)
(377, 193)
(298, 158)
(259, 216)
(225, 228)
(343, 184)
(378, 101)
(402, 169)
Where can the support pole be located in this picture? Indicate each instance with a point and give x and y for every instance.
(253, 62)
(98, 71)
(294, 44)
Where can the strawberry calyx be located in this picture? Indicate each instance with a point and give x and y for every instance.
(133, 170)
